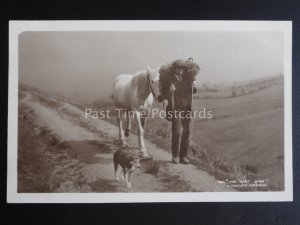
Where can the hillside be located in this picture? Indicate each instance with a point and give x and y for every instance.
(246, 134)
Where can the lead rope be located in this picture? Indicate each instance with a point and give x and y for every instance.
(173, 104)
(192, 98)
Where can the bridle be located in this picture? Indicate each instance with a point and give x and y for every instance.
(152, 91)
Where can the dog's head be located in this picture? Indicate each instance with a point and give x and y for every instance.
(134, 161)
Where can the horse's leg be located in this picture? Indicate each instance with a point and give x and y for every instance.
(143, 120)
(142, 147)
(121, 133)
(144, 117)
(128, 125)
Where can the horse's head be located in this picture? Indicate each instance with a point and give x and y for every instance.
(154, 82)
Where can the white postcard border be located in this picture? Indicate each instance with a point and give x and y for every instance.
(17, 27)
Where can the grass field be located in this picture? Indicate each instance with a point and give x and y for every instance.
(247, 129)
(245, 135)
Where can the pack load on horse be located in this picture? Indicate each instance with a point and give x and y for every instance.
(133, 96)
(169, 79)
(177, 84)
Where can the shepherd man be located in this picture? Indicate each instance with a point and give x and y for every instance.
(178, 85)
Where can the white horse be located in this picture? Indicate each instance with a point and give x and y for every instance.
(134, 94)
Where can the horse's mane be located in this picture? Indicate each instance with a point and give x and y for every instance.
(140, 73)
(143, 72)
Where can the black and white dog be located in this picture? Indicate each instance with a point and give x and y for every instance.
(128, 161)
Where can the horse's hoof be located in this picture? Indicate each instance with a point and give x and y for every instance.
(127, 132)
(143, 154)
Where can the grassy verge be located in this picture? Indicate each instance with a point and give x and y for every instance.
(44, 164)
(34, 167)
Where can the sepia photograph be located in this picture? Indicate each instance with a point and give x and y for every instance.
(149, 111)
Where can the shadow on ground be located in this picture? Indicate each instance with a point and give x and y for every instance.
(103, 185)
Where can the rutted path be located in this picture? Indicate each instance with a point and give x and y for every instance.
(85, 161)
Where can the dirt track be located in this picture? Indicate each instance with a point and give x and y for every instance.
(83, 149)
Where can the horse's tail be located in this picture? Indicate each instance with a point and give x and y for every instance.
(112, 96)
(127, 130)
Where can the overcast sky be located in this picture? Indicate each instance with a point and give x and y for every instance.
(82, 65)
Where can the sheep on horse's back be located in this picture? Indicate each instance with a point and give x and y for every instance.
(134, 93)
